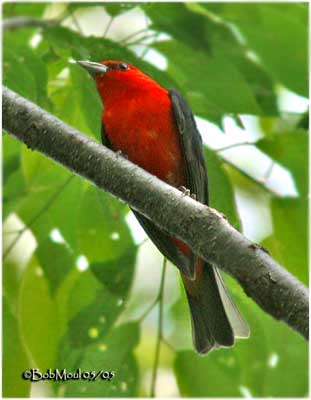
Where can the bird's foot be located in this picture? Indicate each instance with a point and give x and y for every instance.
(186, 192)
(120, 154)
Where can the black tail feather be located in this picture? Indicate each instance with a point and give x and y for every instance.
(210, 324)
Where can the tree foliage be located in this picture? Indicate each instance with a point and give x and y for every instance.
(69, 254)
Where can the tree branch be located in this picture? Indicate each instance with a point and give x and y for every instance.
(20, 22)
(206, 231)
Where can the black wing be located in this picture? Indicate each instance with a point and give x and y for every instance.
(192, 148)
(164, 243)
(210, 323)
(191, 144)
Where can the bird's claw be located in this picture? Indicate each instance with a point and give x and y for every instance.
(119, 153)
(184, 190)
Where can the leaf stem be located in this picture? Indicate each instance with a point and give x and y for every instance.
(140, 40)
(268, 172)
(168, 344)
(45, 207)
(126, 39)
(149, 308)
(143, 242)
(108, 26)
(231, 146)
(160, 331)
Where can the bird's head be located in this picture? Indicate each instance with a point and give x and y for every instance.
(116, 77)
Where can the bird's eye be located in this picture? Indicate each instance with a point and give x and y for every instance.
(123, 67)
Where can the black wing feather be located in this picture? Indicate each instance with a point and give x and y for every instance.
(211, 323)
(104, 137)
(191, 143)
(192, 148)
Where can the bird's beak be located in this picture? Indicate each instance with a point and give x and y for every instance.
(93, 68)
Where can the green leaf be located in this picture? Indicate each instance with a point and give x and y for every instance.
(38, 317)
(235, 371)
(65, 210)
(114, 354)
(174, 19)
(11, 155)
(303, 122)
(278, 34)
(88, 100)
(15, 359)
(221, 196)
(64, 41)
(117, 274)
(204, 376)
(84, 282)
(39, 71)
(289, 242)
(216, 76)
(221, 38)
(56, 260)
(91, 318)
(43, 180)
(31, 207)
(102, 231)
(290, 150)
(12, 277)
(115, 9)
(17, 76)
(69, 99)
(291, 367)
(24, 71)
(94, 321)
(34, 164)
(259, 81)
(23, 9)
(214, 39)
(67, 107)
(44, 189)
(103, 300)
(75, 6)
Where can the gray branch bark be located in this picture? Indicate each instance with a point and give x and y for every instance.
(206, 231)
(20, 22)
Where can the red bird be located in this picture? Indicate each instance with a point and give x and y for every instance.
(156, 130)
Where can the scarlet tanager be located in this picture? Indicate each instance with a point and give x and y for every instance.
(155, 129)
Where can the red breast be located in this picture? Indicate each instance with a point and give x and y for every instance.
(138, 120)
